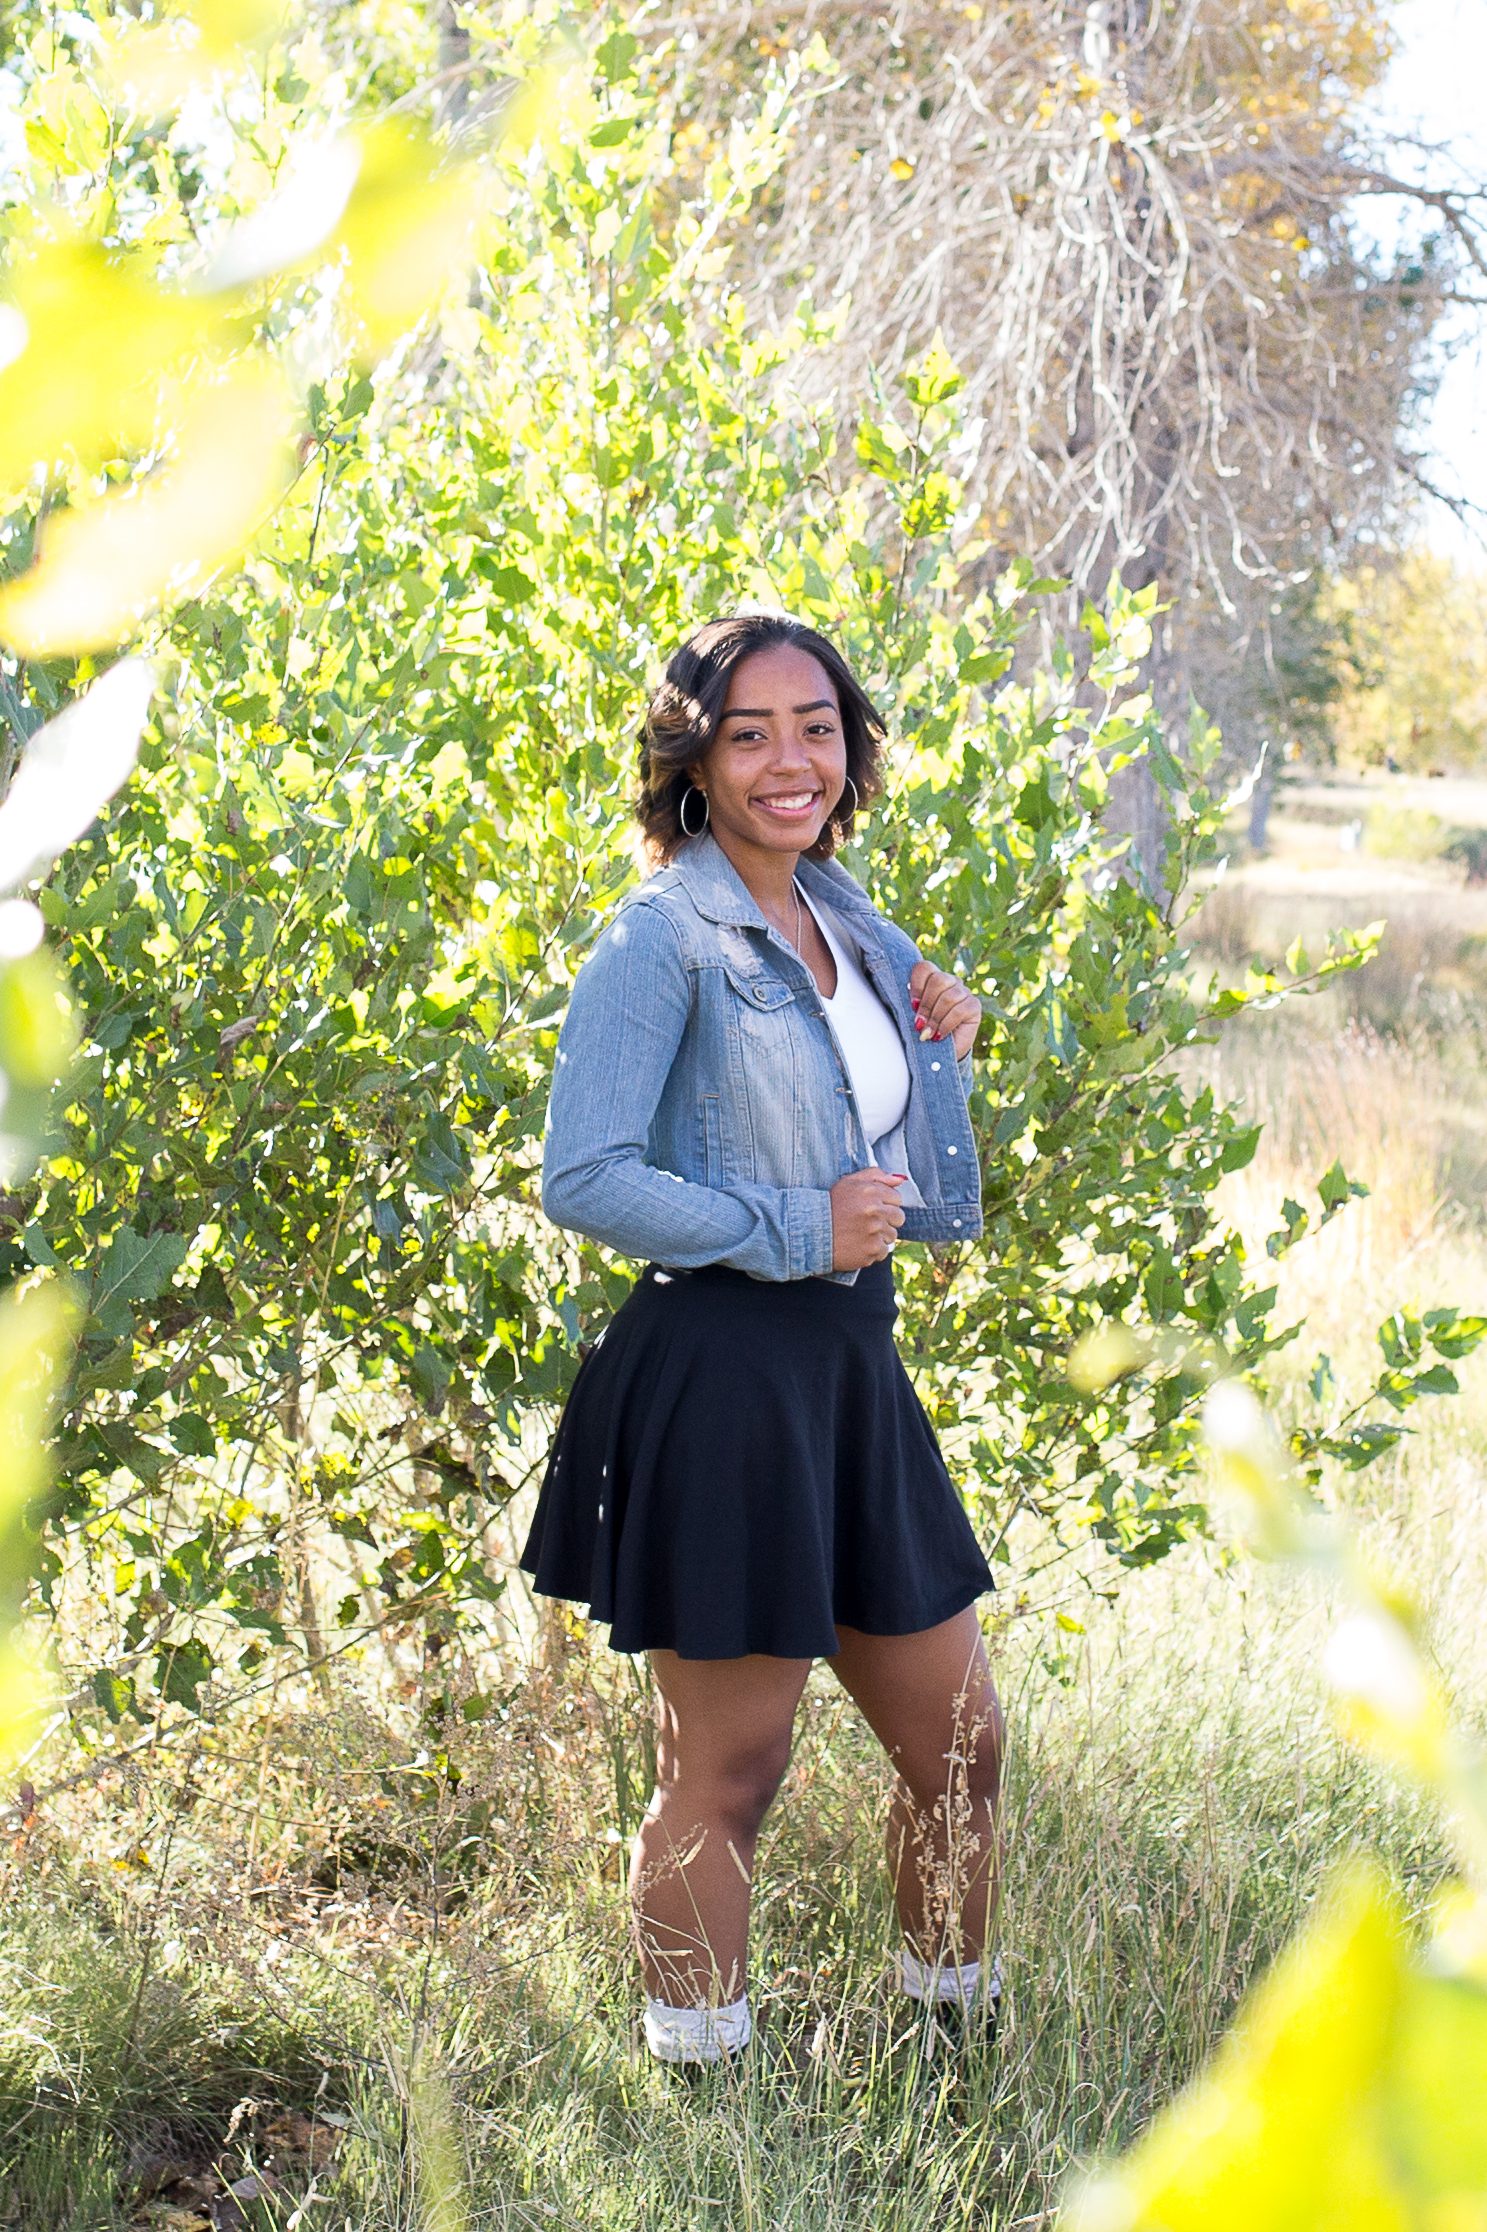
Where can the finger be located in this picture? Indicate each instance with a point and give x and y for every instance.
(924, 983)
(933, 999)
(951, 1013)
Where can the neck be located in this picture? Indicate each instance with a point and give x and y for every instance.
(766, 876)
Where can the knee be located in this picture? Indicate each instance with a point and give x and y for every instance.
(736, 1791)
(746, 1784)
(971, 1773)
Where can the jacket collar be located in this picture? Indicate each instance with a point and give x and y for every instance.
(716, 889)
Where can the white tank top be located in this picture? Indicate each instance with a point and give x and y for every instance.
(867, 1036)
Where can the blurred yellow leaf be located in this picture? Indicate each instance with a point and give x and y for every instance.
(102, 567)
(157, 64)
(93, 329)
(228, 26)
(1283, 2128)
(35, 1344)
(1436, 2118)
(406, 228)
(1102, 1355)
(37, 1039)
(900, 167)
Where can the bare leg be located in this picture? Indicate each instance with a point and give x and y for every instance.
(929, 1700)
(723, 1743)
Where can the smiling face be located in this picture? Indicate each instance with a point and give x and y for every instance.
(778, 764)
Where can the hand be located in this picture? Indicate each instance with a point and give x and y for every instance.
(943, 1008)
(865, 1217)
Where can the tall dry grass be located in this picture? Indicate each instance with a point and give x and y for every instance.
(381, 1973)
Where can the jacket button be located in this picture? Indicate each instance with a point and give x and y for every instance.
(955, 1224)
(952, 1150)
(934, 1065)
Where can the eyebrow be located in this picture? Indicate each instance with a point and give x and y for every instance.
(763, 712)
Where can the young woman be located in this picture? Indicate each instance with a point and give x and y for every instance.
(760, 1089)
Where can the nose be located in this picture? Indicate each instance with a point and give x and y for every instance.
(790, 751)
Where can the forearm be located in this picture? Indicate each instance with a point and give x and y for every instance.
(770, 1232)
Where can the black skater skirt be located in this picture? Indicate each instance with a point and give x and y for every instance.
(741, 1465)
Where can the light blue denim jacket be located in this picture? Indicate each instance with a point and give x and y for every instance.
(701, 1108)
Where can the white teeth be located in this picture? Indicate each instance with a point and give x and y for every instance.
(794, 800)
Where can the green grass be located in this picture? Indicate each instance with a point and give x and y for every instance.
(320, 1926)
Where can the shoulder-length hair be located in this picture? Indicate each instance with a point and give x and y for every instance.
(682, 720)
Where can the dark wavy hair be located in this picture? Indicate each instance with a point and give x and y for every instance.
(683, 715)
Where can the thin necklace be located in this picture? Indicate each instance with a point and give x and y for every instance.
(795, 893)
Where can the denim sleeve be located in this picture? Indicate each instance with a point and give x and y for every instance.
(625, 1023)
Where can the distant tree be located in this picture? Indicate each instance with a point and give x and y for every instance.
(1132, 223)
(1412, 643)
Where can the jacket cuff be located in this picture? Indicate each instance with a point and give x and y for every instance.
(810, 1236)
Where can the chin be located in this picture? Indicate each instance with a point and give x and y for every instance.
(790, 840)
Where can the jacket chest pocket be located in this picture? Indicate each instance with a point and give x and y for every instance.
(759, 1002)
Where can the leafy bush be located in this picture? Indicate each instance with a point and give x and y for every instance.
(323, 945)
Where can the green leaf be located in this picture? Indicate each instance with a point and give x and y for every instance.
(1239, 1149)
(114, 1693)
(38, 1247)
(360, 886)
(138, 1266)
(180, 1671)
(432, 1372)
(1323, 1382)
(1060, 1036)
(1337, 1189)
(440, 1161)
(935, 378)
(876, 452)
(617, 54)
(1162, 1288)
(512, 586)
(1362, 1445)
(1452, 1334)
(192, 1436)
(1400, 1338)
(1249, 1318)
(1296, 1223)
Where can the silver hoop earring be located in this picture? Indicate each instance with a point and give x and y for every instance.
(839, 816)
(692, 791)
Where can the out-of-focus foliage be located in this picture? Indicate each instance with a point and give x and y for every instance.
(1353, 2087)
(72, 767)
(140, 338)
(322, 948)
(1410, 646)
